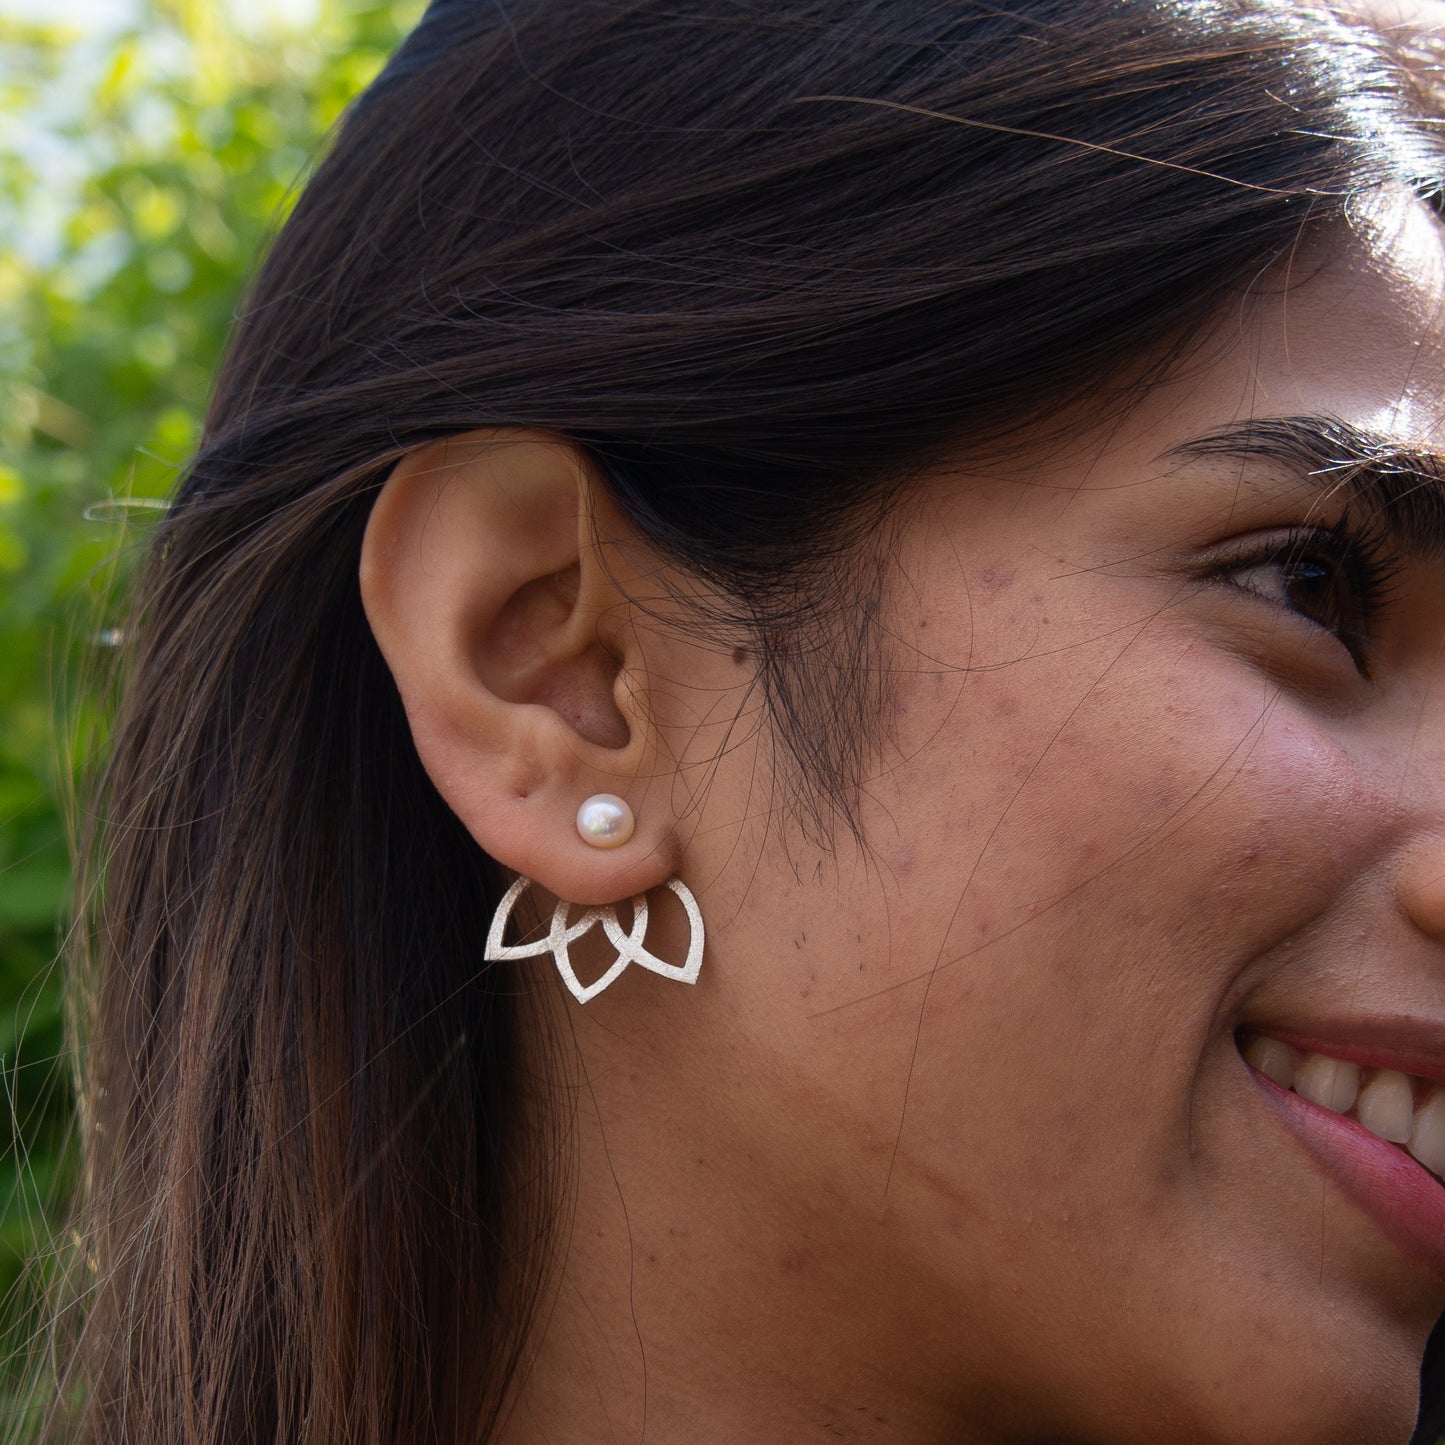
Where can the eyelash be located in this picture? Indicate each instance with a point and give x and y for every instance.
(1358, 570)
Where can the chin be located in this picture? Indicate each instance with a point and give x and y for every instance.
(1317, 1386)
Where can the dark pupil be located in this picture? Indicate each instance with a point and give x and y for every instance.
(1313, 589)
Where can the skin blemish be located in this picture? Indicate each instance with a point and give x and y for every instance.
(993, 579)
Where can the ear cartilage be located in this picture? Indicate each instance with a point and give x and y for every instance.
(628, 943)
(605, 821)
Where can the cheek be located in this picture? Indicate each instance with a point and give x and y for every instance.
(1085, 887)
(1175, 784)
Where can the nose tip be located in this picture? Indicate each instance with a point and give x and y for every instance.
(1421, 887)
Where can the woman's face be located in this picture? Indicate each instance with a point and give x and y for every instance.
(1163, 770)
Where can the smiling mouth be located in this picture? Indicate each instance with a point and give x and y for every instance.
(1402, 1109)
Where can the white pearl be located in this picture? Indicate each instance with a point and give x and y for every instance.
(605, 821)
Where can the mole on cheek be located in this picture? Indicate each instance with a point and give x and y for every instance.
(1422, 891)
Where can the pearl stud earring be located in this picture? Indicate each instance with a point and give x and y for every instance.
(605, 821)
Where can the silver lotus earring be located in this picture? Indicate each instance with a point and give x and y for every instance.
(604, 821)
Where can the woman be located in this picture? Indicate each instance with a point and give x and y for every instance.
(942, 501)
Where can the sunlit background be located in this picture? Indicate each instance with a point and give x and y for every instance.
(145, 151)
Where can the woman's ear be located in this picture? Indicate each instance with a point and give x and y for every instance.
(492, 597)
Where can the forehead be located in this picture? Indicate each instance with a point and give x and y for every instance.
(1350, 324)
(1354, 324)
(1345, 333)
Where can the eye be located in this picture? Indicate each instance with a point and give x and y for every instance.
(1334, 579)
(1318, 588)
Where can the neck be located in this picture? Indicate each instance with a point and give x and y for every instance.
(693, 1300)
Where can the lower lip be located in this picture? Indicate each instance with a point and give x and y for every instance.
(1404, 1199)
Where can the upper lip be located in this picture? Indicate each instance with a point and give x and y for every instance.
(1410, 1043)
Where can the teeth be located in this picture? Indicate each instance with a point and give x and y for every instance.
(1427, 1140)
(1330, 1083)
(1387, 1106)
(1272, 1059)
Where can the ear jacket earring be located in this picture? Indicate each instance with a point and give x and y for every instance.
(604, 821)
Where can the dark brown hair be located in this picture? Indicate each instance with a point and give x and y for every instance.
(760, 259)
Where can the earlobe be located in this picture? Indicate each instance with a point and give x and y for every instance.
(486, 585)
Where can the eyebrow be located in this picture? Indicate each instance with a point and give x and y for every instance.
(1400, 486)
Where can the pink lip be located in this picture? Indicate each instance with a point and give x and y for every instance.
(1404, 1199)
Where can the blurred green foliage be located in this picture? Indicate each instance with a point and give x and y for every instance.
(145, 171)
